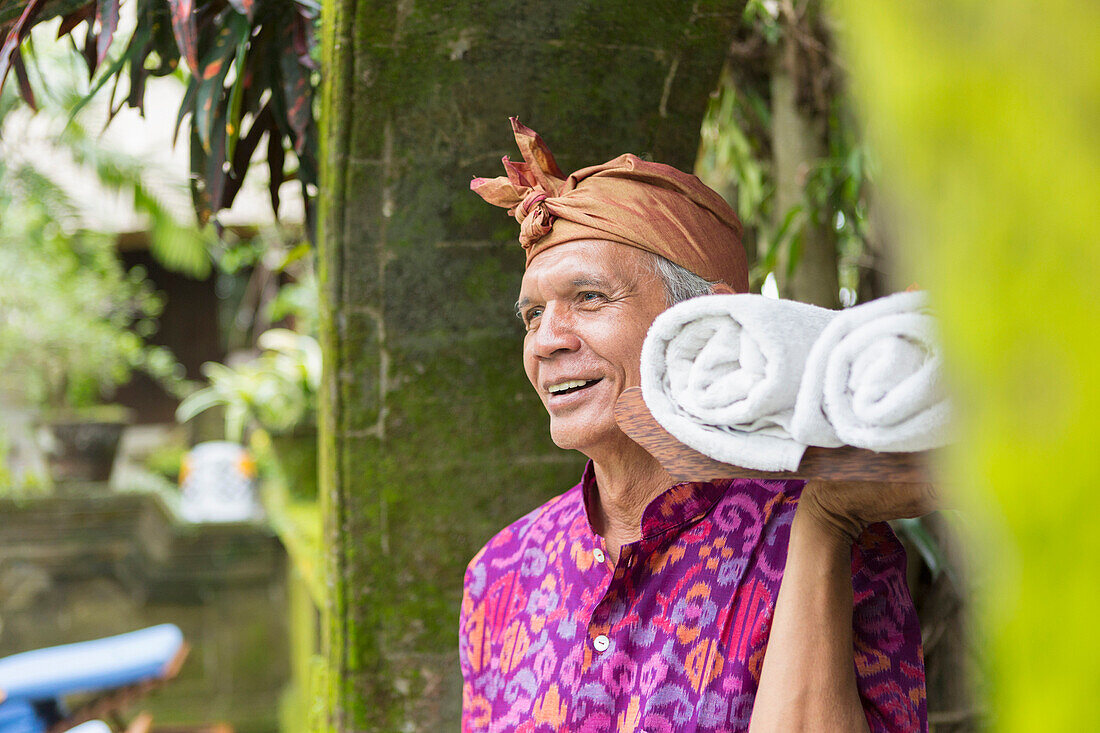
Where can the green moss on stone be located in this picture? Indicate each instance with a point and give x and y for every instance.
(431, 437)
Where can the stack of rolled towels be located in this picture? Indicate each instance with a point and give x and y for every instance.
(752, 381)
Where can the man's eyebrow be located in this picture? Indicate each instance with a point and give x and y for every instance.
(521, 304)
(590, 282)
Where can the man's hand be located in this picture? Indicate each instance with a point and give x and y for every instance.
(846, 508)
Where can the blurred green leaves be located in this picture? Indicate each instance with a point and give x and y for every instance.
(276, 391)
(73, 322)
(177, 244)
(739, 155)
(985, 115)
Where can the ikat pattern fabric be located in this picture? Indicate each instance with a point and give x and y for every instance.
(554, 637)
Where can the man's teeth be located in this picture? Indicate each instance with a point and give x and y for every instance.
(569, 384)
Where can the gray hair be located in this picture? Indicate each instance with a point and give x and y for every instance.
(680, 284)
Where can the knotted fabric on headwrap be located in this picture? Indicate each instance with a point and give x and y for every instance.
(650, 206)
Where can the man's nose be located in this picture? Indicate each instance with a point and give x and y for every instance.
(554, 333)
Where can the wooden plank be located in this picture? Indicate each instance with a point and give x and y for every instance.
(829, 464)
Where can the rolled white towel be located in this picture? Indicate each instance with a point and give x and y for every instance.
(721, 374)
(874, 380)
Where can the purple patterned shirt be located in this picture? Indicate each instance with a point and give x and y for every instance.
(556, 637)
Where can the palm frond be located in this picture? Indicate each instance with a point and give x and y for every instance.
(253, 72)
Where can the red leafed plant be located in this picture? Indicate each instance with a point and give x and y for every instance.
(251, 70)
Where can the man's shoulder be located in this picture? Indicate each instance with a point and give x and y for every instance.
(559, 512)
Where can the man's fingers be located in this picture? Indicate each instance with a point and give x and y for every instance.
(908, 500)
(875, 502)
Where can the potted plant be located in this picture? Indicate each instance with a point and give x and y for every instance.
(276, 392)
(73, 324)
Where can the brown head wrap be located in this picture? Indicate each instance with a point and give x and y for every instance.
(627, 200)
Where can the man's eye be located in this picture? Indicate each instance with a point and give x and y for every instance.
(530, 315)
(590, 296)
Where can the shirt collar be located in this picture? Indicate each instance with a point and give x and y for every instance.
(682, 503)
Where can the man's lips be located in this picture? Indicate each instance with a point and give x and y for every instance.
(564, 387)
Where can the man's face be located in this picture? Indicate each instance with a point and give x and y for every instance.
(587, 306)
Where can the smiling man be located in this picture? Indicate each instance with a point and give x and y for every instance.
(631, 602)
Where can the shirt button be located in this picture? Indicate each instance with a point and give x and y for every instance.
(601, 643)
(598, 554)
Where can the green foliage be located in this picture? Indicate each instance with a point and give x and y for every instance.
(72, 320)
(763, 15)
(179, 246)
(931, 553)
(839, 191)
(297, 300)
(985, 116)
(276, 391)
(735, 157)
(738, 153)
(14, 483)
(264, 279)
(6, 477)
(165, 461)
(251, 76)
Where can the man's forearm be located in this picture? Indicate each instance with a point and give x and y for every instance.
(808, 680)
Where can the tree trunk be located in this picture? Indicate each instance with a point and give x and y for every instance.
(807, 269)
(431, 439)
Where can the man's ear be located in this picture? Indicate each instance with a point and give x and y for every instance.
(720, 288)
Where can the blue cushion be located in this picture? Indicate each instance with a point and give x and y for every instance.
(19, 716)
(87, 666)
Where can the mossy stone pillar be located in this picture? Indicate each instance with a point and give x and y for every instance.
(431, 438)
